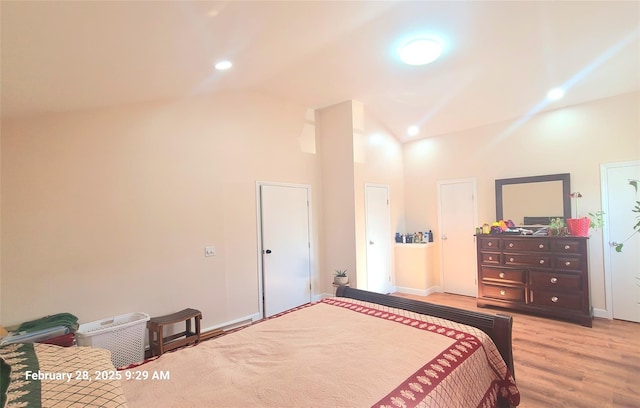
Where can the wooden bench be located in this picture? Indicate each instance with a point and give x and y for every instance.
(160, 344)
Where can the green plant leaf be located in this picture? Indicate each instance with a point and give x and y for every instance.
(619, 247)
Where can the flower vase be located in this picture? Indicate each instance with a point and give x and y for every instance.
(579, 227)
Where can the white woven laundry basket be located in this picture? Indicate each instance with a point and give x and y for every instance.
(122, 335)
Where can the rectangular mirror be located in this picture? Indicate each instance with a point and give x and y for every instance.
(531, 201)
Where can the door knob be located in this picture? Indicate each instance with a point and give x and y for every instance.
(268, 251)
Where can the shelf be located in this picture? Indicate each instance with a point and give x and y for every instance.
(417, 245)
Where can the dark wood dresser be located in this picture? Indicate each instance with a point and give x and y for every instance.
(544, 275)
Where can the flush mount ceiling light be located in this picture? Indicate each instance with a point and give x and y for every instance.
(420, 51)
(222, 65)
(413, 130)
(555, 94)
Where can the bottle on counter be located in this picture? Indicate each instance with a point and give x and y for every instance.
(430, 236)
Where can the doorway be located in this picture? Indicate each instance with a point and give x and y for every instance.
(378, 233)
(458, 217)
(622, 269)
(284, 247)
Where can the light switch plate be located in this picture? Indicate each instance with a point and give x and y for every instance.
(209, 251)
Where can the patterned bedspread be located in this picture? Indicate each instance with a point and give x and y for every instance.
(337, 353)
(44, 375)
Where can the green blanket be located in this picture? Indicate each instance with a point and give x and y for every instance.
(47, 322)
(16, 360)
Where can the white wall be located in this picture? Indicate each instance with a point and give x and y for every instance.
(356, 150)
(574, 140)
(334, 132)
(379, 161)
(108, 211)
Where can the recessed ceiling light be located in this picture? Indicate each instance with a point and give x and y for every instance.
(555, 94)
(413, 130)
(222, 65)
(420, 52)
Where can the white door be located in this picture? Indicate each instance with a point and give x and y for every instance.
(458, 219)
(378, 233)
(622, 268)
(285, 245)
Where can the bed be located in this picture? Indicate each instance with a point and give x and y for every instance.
(352, 350)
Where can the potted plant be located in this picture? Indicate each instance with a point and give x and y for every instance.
(556, 227)
(340, 277)
(579, 227)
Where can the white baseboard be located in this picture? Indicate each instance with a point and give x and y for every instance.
(232, 324)
(418, 292)
(602, 313)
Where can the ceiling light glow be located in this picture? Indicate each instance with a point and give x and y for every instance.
(555, 94)
(413, 130)
(420, 52)
(222, 65)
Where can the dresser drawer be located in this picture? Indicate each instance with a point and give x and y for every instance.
(572, 263)
(555, 281)
(503, 275)
(490, 258)
(503, 292)
(567, 246)
(539, 261)
(526, 244)
(555, 299)
(545, 275)
(489, 243)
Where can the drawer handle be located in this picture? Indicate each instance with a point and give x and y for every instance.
(490, 244)
(501, 274)
(554, 280)
(491, 258)
(567, 247)
(510, 244)
(541, 246)
(503, 292)
(510, 259)
(567, 263)
(542, 262)
(554, 299)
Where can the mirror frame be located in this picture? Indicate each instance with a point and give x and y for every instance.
(566, 190)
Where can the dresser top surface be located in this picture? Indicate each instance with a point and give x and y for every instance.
(518, 236)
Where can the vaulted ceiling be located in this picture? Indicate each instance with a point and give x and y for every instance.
(500, 58)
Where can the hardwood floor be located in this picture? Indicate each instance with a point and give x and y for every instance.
(561, 364)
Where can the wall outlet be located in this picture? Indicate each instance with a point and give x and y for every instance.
(209, 251)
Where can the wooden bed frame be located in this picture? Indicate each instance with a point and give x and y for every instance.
(497, 326)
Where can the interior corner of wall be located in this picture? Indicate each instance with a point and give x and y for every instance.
(310, 115)
(307, 138)
(357, 114)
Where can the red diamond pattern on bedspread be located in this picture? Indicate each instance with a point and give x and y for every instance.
(420, 389)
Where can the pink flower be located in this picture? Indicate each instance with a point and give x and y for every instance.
(576, 195)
